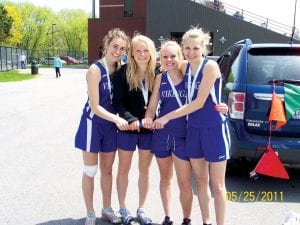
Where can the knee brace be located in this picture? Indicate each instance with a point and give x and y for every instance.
(90, 171)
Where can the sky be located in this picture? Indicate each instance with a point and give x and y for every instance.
(281, 11)
(57, 5)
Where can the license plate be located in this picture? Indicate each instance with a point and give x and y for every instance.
(297, 115)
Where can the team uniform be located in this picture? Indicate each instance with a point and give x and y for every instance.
(130, 105)
(96, 134)
(170, 139)
(207, 130)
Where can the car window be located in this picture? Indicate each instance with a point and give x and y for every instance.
(228, 64)
(232, 75)
(266, 67)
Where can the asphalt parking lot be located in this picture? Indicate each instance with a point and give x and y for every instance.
(41, 171)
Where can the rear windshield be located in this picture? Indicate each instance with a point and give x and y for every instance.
(265, 65)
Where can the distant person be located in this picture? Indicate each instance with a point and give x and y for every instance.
(238, 15)
(216, 5)
(23, 60)
(57, 63)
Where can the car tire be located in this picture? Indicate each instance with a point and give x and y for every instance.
(239, 166)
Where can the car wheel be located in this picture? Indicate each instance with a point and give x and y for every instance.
(239, 166)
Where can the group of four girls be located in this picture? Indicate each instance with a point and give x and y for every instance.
(176, 116)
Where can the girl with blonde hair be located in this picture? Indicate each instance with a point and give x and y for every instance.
(207, 139)
(133, 85)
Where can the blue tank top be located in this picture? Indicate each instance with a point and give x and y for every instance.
(104, 95)
(169, 103)
(207, 116)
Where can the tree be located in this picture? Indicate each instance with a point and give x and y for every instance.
(36, 28)
(74, 29)
(36, 23)
(5, 24)
(17, 24)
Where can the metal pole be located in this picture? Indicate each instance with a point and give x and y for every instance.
(93, 8)
(294, 24)
(53, 24)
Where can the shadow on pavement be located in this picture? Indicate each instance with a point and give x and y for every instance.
(70, 221)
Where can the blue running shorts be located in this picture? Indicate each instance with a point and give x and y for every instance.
(96, 137)
(129, 141)
(211, 143)
(164, 144)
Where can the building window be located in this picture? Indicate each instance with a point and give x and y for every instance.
(128, 8)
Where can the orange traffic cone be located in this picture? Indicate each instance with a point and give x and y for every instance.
(277, 112)
(270, 165)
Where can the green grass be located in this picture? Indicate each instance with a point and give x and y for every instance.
(14, 75)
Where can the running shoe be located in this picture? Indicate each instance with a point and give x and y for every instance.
(90, 219)
(109, 215)
(126, 216)
(167, 221)
(186, 221)
(144, 220)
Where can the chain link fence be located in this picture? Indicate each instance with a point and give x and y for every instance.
(10, 57)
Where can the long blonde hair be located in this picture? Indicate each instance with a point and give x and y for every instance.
(132, 78)
(204, 37)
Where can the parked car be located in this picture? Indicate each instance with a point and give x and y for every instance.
(83, 60)
(249, 72)
(49, 61)
(69, 59)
